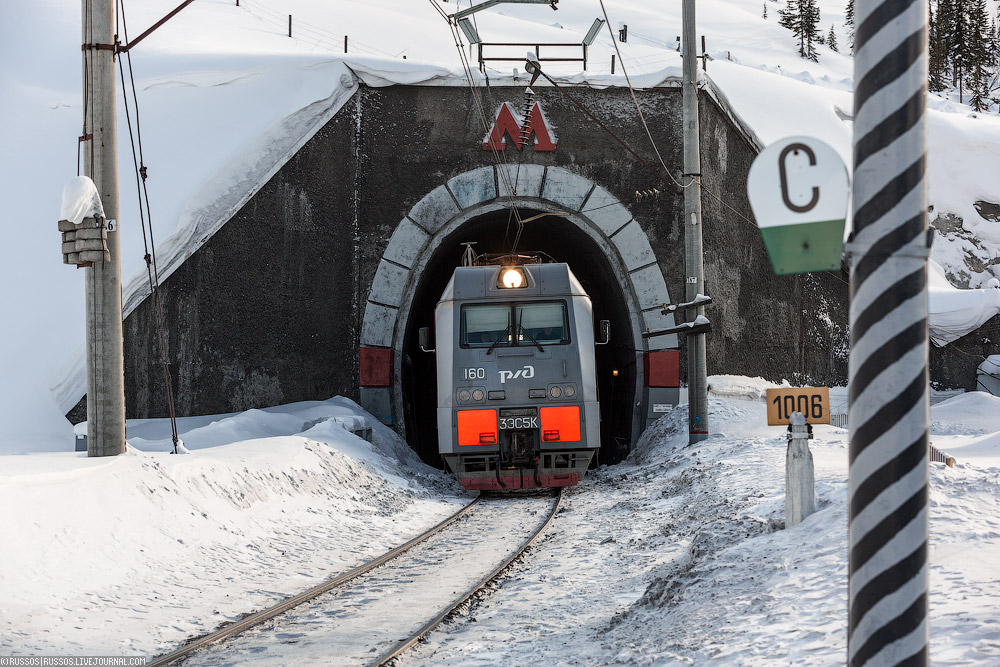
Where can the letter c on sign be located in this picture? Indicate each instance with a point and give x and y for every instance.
(784, 177)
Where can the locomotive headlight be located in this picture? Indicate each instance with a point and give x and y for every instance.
(511, 278)
(478, 394)
(570, 391)
(555, 392)
(464, 395)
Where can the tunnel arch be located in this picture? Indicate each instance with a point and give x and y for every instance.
(579, 209)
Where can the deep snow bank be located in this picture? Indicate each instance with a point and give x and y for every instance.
(133, 554)
(745, 590)
(679, 556)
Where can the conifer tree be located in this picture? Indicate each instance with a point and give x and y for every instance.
(937, 65)
(849, 24)
(765, 10)
(945, 25)
(995, 40)
(831, 40)
(977, 57)
(802, 18)
(994, 83)
(958, 45)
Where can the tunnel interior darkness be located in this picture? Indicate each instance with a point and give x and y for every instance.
(563, 242)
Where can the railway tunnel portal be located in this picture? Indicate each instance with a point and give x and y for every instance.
(572, 220)
(317, 282)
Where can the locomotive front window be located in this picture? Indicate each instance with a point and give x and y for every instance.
(485, 324)
(490, 325)
(544, 322)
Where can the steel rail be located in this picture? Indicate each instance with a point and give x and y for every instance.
(266, 614)
(406, 644)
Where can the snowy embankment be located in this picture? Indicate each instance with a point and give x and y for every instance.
(680, 556)
(745, 590)
(677, 555)
(134, 554)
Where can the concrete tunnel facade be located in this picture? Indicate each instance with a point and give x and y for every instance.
(317, 285)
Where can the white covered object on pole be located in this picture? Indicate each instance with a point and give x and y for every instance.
(80, 199)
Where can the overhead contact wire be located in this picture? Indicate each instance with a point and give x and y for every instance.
(145, 218)
(498, 157)
(631, 90)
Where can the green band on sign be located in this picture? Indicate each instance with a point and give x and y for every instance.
(811, 246)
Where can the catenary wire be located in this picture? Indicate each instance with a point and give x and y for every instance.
(498, 157)
(631, 91)
(146, 218)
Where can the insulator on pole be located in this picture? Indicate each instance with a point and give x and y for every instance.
(529, 103)
(647, 195)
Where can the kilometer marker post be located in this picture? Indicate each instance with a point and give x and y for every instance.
(889, 398)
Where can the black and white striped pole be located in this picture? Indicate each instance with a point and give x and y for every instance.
(889, 399)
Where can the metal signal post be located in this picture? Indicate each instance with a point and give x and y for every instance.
(693, 258)
(889, 391)
(105, 364)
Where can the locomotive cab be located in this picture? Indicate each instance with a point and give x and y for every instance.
(517, 397)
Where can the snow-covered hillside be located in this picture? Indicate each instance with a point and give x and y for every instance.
(226, 96)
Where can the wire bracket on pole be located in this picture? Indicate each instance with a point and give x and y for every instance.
(457, 16)
(700, 325)
(697, 302)
(696, 327)
(156, 25)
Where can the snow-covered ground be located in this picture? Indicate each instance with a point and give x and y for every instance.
(226, 97)
(135, 553)
(677, 556)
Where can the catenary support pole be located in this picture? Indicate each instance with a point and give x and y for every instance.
(693, 260)
(105, 365)
(889, 397)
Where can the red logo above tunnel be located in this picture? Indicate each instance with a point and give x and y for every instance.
(509, 123)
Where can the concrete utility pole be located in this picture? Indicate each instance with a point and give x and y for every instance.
(693, 261)
(800, 473)
(889, 390)
(105, 364)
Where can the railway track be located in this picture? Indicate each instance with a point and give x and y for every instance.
(377, 611)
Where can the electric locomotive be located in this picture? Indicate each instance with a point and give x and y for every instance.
(517, 392)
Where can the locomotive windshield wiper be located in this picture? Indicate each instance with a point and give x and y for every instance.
(525, 332)
(499, 338)
(531, 338)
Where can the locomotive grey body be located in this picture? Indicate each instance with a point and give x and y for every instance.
(517, 394)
